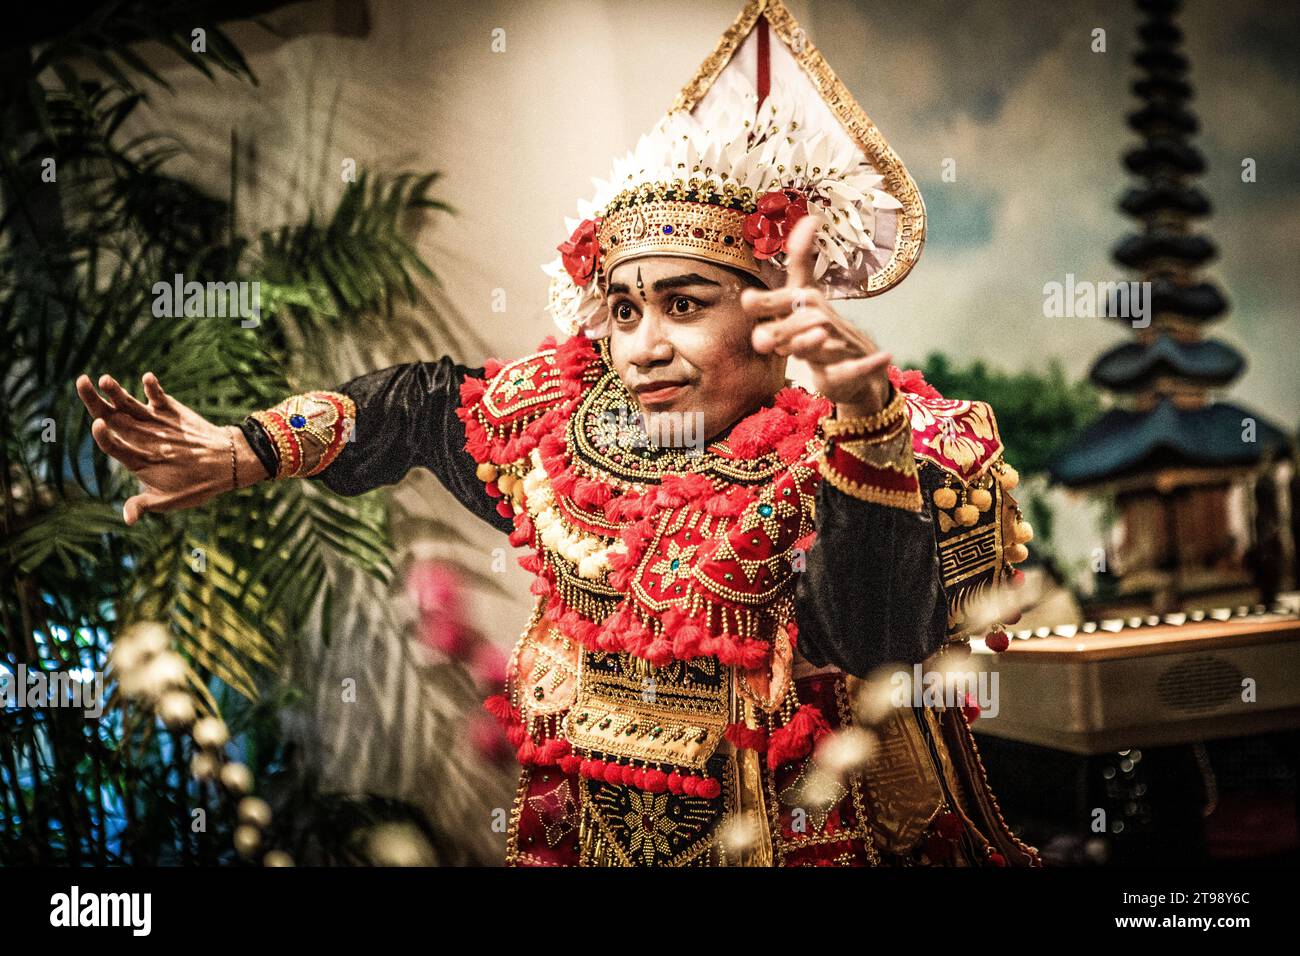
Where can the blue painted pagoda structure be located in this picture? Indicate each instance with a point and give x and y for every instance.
(1191, 476)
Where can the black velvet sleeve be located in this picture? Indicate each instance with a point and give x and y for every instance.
(406, 418)
(872, 591)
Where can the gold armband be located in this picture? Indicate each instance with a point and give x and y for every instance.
(308, 431)
(885, 420)
(871, 458)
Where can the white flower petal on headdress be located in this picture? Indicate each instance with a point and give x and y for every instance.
(792, 140)
(882, 200)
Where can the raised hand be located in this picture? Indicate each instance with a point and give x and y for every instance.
(180, 458)
(797, 320)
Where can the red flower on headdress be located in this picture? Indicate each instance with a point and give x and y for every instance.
(580, 252)
(768, 226)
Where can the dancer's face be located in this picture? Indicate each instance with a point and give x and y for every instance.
(679, 321)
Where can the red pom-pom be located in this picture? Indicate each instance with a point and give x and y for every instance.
(552, 750)
(570, 763)
(971, 710)
(659, 652)
(912, 381)
(498, 705)
(655, 781)
(997, 641)
(563, 482)
(709, 788)
(675, 783)
(759, 433)
(796, 739)
(523, 532)
(747, 738)
(949, 826)
(791, 447)
(997, 859)
(471, 390)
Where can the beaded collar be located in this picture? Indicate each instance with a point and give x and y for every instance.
(651, 552)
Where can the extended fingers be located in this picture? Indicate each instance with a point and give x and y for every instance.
(779, 335)
(761, 304)
(800, 258)
(93, 401)
(852, 370)
(153, 390)
(121, 398)
(111, 442)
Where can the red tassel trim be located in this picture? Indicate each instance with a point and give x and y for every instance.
(796, 739)
(747, 738)
(648, 778)
(498, 705)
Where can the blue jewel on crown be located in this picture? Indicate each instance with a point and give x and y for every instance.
(298, 421)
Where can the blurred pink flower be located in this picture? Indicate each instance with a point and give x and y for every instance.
(488, 665)
(487, 739)
(436, 591)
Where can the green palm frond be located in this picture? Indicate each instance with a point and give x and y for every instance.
(79, 259)
(356, 263)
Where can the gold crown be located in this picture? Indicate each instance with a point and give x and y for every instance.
(661, 220)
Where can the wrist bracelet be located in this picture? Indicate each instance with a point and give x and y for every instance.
(234, 462)
(308, 431)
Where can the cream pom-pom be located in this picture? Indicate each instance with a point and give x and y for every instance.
(1024, 532)
(967, 515)
(593, 565)
(581, 548)
(945, 498)
(553, 535)
(981, 499)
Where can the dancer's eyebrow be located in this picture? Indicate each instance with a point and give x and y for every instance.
(671, 282)
(678, 282)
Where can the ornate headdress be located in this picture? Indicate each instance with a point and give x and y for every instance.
(763, 135)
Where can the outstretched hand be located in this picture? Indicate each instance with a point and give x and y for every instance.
(797, 320)
(180, 458)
